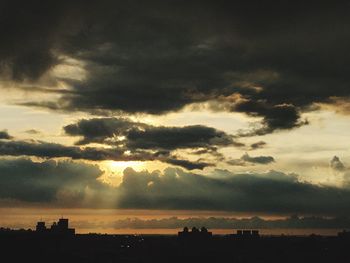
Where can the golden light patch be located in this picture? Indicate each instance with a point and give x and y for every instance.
(113, 170)
(121, 165)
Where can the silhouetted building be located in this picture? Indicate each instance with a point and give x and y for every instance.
(63, 223)
(195, 230)
(255, 233)
(344, 234)
(59, 228)
(195, 233)
(40, 227)
(246, 234)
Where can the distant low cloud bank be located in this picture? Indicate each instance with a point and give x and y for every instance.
(293, 222)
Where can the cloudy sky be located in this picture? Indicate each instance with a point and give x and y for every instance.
(230, 107)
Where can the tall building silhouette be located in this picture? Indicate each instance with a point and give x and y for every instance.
(61, 227)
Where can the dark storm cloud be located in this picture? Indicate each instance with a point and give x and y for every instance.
(5, 135)
(30, 30)
(246, 159)
(196, 136)
(277, 117)
(143, 136)
(158, 56)
(99, 129)
(53, 150)
(45, 182)
(272, 192)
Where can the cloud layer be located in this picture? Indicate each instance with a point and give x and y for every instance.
(53, 150)
(67, 183)
(271, 60)
(272, 192)
(292, 222)
(135, 135)
(247, 159)
(48, 182)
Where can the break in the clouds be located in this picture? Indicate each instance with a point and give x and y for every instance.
(66, 183)
(272, 60)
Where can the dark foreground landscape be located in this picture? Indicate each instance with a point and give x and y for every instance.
(33, 246)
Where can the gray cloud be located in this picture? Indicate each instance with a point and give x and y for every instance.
(247, 159)
(100, 129)
(188, 164)
(33, 132)
(159, 140)
(47, 182)
(258, 159)
(159, 56)
(336, 164)
(54, 150)
(257, 145)
(4, 135)
(276, 117)
(272, 192)
(143, 136)
(196, 136)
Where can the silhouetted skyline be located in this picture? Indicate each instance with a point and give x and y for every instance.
(191, 245)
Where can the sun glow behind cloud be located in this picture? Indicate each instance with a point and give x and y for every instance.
(114, 170)
(121, 165)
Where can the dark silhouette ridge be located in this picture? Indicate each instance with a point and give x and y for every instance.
(195, 245)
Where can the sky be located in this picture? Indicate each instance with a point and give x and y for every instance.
(166, 108)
